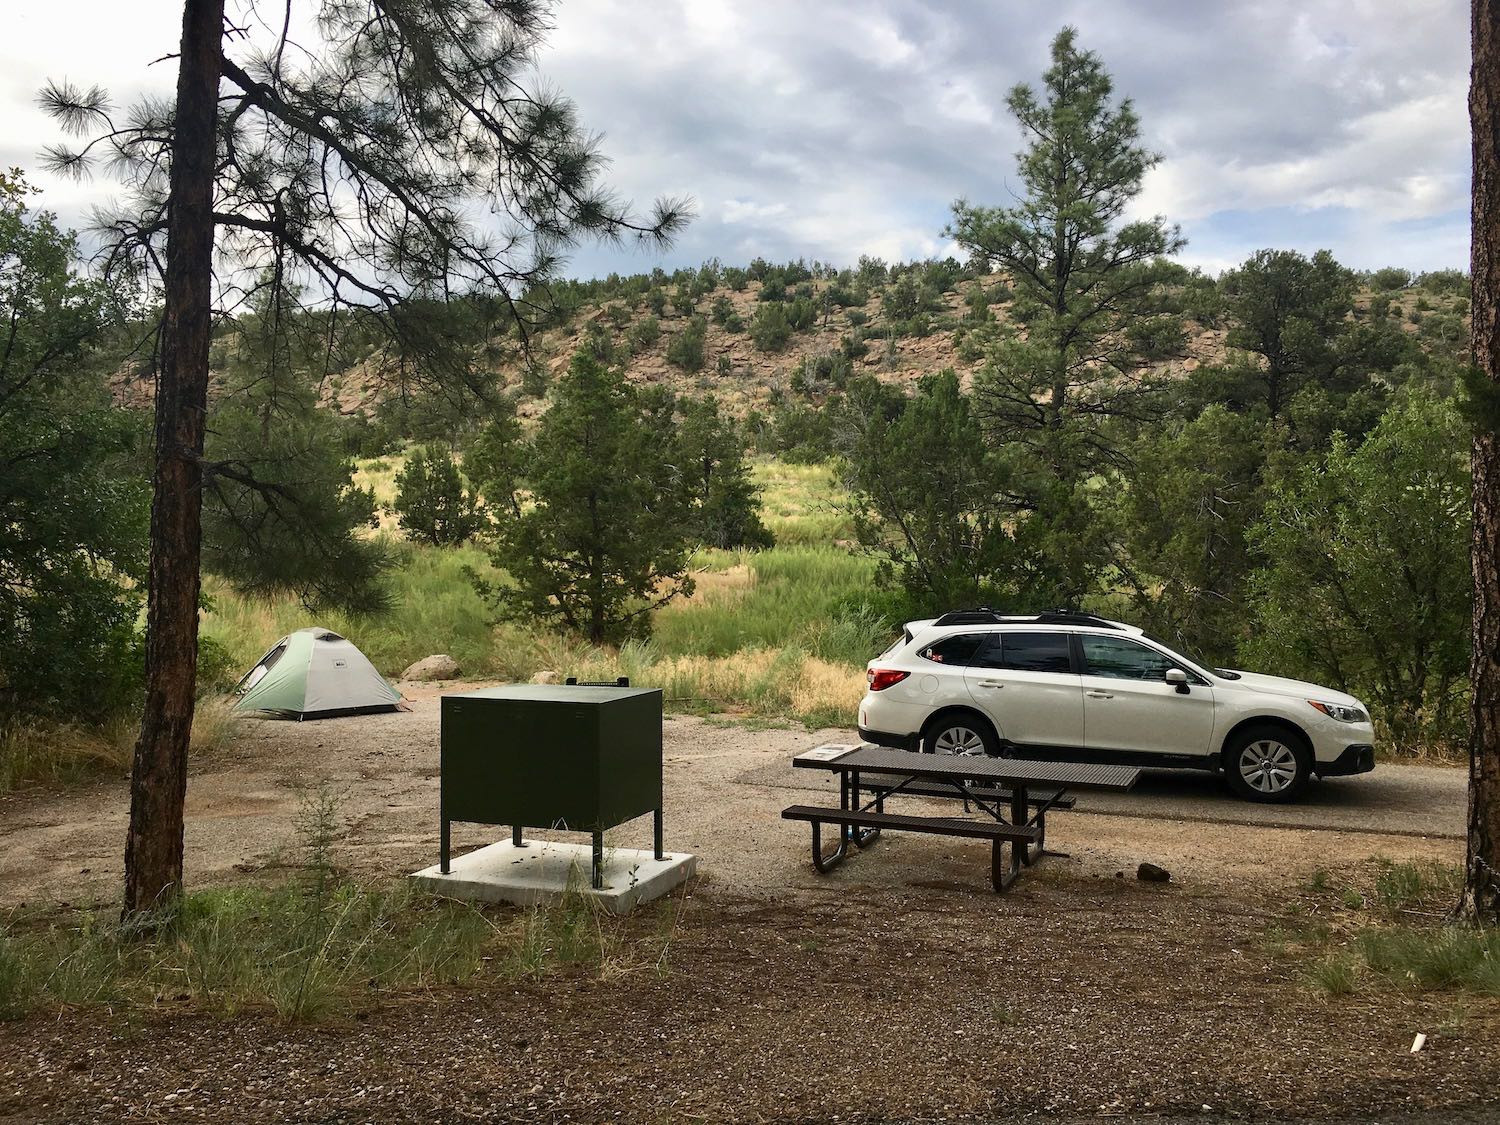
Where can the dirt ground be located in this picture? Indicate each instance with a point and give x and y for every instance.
(898, 988)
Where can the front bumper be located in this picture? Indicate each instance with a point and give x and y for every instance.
(895, 741)
(1358, 757)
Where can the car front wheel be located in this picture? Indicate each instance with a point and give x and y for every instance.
(1267, 763)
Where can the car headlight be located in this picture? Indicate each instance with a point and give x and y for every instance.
(1340, 711)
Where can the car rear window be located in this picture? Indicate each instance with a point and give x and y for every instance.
(956, 650)
(1027, 652)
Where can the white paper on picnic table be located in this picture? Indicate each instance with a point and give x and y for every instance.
(826, 753)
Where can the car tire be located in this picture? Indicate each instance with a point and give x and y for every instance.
(960, 733)
(1267, 763)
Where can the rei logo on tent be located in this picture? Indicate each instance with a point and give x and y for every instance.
(312, 674)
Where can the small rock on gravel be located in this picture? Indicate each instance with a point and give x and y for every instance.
(547, 677)
(1150, 873)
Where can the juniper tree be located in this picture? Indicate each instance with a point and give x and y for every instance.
(723, 502)
(1290, 312)
(432, 504)
(590, 514)
(362, 163)
(930, 518)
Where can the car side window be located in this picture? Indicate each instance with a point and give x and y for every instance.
(1026, 652)
(1121, 659)
(957, 650)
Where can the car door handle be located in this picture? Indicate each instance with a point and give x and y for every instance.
(1099, 694)
(992, 683)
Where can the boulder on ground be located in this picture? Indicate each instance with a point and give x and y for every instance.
(547, 677)
(439, 667)
(1150, 873)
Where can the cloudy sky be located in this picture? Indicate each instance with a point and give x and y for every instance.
(831, 128)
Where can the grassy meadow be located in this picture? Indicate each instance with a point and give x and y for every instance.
(771, 635)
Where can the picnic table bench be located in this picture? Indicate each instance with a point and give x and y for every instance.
(1014, 794)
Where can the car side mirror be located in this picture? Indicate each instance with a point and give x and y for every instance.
(1178, 678)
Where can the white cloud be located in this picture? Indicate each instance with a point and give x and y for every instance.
(847, 127)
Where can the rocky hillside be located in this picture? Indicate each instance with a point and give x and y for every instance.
(834, 327)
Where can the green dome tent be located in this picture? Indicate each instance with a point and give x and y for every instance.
(311, 674)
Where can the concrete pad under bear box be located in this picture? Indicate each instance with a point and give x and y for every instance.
(542, 869)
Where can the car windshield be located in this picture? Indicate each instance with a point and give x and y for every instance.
(1193, 658)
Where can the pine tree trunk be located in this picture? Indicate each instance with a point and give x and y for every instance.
(158, 781)
(1481, 896)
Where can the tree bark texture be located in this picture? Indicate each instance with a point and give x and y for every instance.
(158, 781)
(1481, 896)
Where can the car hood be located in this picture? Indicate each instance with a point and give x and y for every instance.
(1279, 685)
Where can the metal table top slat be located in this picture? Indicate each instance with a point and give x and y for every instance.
(1073, 775)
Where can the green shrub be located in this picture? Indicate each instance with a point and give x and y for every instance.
(685, 350)
(802, 314)
(644, 333)
(772, 289)
(769, 328)
(599, 342)
(1444, 281)
(1390, 279)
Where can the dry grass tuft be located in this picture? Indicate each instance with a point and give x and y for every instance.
(827, 694)
(42, 751)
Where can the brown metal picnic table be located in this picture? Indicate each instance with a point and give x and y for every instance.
(1014, 794)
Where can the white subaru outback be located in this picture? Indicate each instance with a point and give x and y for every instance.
(1063, 685)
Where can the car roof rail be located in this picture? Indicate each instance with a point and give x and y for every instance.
(983, 615)
(1074, 617)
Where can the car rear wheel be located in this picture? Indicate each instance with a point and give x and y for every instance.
(960, 734)
(1267, 763)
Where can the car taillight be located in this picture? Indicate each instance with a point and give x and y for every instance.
(881, 678)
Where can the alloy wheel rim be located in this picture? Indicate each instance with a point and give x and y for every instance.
(1268, 766)
(958, 740)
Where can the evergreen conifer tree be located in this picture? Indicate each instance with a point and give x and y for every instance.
(432, 503)
(1089, 308)
(590, 517)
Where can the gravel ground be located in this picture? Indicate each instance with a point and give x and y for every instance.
(726, 785)
(896, 989)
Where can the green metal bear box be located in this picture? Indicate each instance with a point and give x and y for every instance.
(577, 757)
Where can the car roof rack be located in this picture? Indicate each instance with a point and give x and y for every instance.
(1074, 617)
(984, 615)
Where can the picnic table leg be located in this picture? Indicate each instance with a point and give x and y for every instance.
(824, 864)
(1001, 874)
(1019, 814)
(863, 837)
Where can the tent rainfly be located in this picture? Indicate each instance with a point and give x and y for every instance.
(312, 674)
